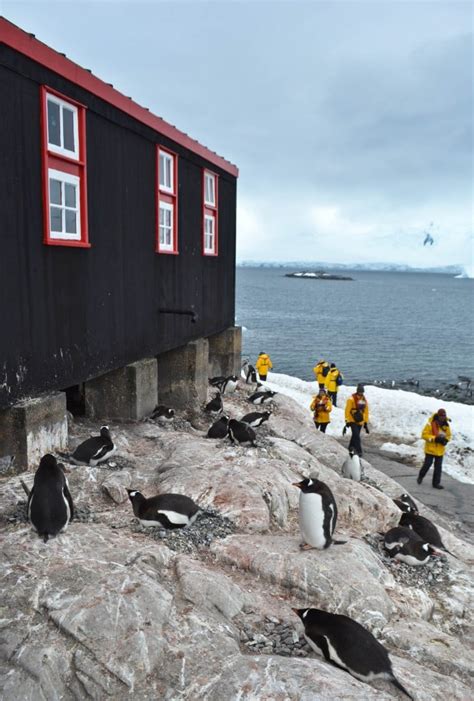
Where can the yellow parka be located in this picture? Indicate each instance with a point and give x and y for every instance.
(263, 364)
(354, 403)
(318, 371)
(321, 408)
(428, 434)
(331, 380)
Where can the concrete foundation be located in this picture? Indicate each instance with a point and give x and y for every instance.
(225, 352)
(32, 428)
(126, 394)
(183, 376)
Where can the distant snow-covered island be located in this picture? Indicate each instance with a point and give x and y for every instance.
(319, 276)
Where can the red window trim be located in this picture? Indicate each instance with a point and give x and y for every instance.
(170, 198)
(211, 211)
(64, 164)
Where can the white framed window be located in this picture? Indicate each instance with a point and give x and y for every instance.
(62, 127)
(166, 172)
(209, 233)
(166, 242)
(64, 197)
(209, 189)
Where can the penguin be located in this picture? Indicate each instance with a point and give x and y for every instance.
(256, 419)
(351, 467)
(95, 450)
(425, 529)
(162, 413)
(215, 406)
(216, 381)
(317, 515)
(249, 373)
(165, 510)
(50, 506)
(229, 385)
(261, 397)
(405, 503)
(241, 432)
(346, 644)
(405, 545)
(219, 428)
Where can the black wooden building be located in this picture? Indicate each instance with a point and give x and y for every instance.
(108, 216)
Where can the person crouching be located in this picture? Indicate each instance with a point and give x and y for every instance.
(321, 406)
(436, 435)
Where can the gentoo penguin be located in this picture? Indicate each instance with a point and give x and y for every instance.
(241, 432)
(229, 384)
(162, 413)
(317, 514)
(405, 503)
(216, 381)
(425, 529)
(166, 510)
(261, 397)
(346, 644)
(351, 467)
(256, 419)
(50, 506)
(94, 450)
(215, 406)
(249, 373)
(405, 545)
(219, 428)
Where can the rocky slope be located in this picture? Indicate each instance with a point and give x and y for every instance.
(109, 610)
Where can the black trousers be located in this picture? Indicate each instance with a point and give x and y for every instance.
(262, 377)
(438, 464)
(321, 385)
(355, 444)
(321, 427)
(333, 397)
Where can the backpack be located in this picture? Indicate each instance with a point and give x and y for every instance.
(325, 371)
(339, 380)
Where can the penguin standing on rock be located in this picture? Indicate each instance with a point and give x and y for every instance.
(317, 515)
(242, 433)
(165, 510)
(219, 428)
(351, 467)
(346, 644)
(256, 419)
(425, 529)
(50, 506)
(94, 450)
(405, 545)
(215, 406)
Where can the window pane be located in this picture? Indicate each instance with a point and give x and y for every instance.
(68, 129)
(54, 191)
(168, 237)
(71, 222)
(70, 195)
(54, 136)
(162, 235)
(162, 169)
(168, 173)
(55, 216)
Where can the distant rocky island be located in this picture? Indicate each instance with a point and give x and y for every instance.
(319, 276)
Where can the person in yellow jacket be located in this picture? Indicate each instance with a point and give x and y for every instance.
(320, 371)
(321, 406)
(436, 434)
(334, 380)
(263, 365)
(357, 416)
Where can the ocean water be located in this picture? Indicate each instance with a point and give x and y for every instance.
(381, 326)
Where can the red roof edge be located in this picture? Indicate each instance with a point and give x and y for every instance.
(27, 44)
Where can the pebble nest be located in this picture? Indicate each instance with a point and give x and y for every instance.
(82, 514)
(272, 638)
(429, 576)
(209, 526)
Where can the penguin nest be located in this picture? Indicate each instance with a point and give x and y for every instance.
(271, 637)
(208, 526)
(430, 576)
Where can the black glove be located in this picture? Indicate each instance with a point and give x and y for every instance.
(366, 428)
(441, 439)
(344, 430)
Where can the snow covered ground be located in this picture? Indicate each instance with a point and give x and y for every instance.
(398, 418)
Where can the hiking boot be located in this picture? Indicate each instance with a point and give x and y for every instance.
(438, 486)
(419, 480)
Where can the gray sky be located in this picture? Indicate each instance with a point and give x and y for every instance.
(351, 122)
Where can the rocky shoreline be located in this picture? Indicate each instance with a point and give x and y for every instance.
(109, 610)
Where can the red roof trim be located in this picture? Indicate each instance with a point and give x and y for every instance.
(25, 43)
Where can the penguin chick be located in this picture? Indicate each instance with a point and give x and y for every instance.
(346, 644)
(94, 450)
(166, 510)
(317, 514)
(50, 506)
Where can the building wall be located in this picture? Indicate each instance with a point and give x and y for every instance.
(70, 314)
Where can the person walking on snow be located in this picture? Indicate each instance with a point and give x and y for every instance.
(436, 435)
(263, 365)
(334, 380)
(321, 406)
(320, 371)
(357, 416)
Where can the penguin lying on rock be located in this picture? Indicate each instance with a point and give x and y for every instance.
(219, 428)
(50, 506)
(216, 381)
(261, 397)
(317, 515)
(425, 529)
(166, 510)
(94, 450)
(405, 545)
(242, 433)
(405, 503)
(215, 406)
(346, 644)
(256, 419)
(351, 467)
(162, 413)
(229, 384)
